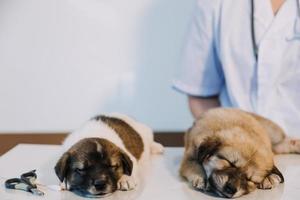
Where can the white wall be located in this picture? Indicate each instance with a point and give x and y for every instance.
(63, 61)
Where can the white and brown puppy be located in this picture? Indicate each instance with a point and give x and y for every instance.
(230, 152)
(104, 155)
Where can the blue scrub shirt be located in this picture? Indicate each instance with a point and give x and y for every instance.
(219, 58)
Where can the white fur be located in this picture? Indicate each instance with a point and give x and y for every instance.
(98, 129)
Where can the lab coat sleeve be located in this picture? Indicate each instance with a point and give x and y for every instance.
(201, 73)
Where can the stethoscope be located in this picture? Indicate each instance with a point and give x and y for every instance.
(254, 44)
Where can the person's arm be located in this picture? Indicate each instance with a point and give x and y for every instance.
(201, 76)
(199, 105)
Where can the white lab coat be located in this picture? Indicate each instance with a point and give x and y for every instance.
(219, 58)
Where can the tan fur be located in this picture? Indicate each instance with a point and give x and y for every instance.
(242, 138)
(132, 140)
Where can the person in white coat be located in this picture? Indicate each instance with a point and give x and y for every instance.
(245, 54)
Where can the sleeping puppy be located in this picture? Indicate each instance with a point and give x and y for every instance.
(104, 155)
(230, 152)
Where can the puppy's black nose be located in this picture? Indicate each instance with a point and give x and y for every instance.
(100, 184)
(230, 189)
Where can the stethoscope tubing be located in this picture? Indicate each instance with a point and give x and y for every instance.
(254, 45)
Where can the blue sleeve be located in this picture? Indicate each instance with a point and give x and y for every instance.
(201, 72)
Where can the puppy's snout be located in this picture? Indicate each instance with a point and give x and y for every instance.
(100, 184)
(230, 189)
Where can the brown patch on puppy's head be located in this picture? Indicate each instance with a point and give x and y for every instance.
(130, 137)
(93, 166)
(208, 148)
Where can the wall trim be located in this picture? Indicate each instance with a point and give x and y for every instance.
(10, 140)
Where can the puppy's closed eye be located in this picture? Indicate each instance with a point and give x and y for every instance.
(225, 160)
(80, 171)
(114, 167)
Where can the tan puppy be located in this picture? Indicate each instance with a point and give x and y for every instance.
(230, 152)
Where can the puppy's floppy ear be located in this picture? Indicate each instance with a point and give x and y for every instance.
(276, 171)
(208, 148)
(126, 163)
(61, 166)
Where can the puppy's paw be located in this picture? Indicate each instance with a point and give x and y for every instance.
(126, 183)
(289, 145)
(198, 182)
(270, 182)
(157, 148)
(295, 145)
(63, 186)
